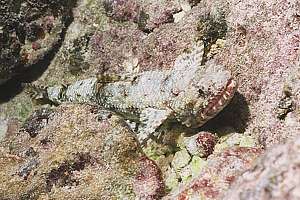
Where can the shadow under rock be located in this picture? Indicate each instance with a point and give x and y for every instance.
(236, 115)
(14, 86)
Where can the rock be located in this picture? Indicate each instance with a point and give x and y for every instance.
(75, 152)
(185, 174)
(106, 37)
(219, 173)
(202, 144)
(262, 49)
(29, 31)
(147, 14)
(37, 121)
(276, 175)
(147, 183)
(235, 139)
(181, 159)
(171, 179)
(30, 34)
(197, 165)
(13, 126)
(3, 127)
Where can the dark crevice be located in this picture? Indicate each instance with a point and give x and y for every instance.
(284, 107)
(194, 3)
(79, 48)
(14, 86)
(147, 31)
(236, 115)
(210, 29)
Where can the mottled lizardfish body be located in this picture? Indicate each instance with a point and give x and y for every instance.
(189, 93)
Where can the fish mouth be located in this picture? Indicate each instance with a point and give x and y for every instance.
(217, 102)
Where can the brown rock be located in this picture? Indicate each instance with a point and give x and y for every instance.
(78, 152)
(220, 172)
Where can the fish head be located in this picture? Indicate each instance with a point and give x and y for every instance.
(209, 91)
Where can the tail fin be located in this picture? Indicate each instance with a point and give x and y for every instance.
(38, 94)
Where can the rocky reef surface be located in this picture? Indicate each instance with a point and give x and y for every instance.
(249, 151)
(76, 152)
(274, 176)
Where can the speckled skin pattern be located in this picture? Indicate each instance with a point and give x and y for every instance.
(189, 93)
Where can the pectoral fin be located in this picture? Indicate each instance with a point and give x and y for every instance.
(151, 119)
